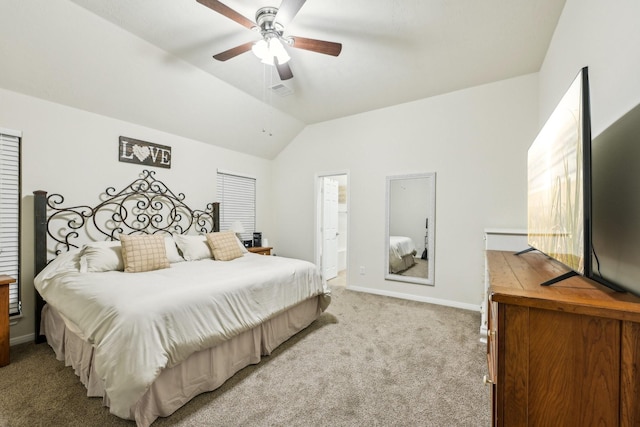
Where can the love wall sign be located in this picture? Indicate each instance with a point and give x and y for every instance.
(144, 153)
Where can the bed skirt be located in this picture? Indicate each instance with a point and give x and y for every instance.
(203, 371)
(398, 265)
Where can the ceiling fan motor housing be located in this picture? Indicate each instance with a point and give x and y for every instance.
(269, 28)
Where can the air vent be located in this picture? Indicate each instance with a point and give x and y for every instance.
(281, 89)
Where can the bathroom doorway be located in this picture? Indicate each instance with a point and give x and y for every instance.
(332, 219)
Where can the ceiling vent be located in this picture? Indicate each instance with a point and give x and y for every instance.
(281, 89)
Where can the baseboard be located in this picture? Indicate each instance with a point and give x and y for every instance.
(448, 303)
(22, 339)
(483, 334)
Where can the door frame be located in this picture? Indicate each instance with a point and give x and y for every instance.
(318, 238)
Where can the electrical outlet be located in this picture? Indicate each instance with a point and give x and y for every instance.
(362, 270)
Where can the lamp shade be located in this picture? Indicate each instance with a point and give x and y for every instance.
(237, 227)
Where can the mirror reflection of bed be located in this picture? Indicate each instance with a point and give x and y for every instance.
(410, 221)
(405, 260)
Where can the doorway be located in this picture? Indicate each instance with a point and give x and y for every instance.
(332, 219)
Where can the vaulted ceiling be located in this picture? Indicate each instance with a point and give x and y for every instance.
(393, 51)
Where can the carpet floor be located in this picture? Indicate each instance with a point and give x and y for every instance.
(367, 361)
(419, 269)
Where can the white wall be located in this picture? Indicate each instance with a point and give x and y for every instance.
(74, 152)
(603, 36)
(476, 140)
(59, 51)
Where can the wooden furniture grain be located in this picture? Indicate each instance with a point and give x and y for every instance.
(498, 239)
(564, 355)
(5, 281)
(261, 250)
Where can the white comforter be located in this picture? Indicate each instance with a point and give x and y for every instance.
(400, 246)
(140, 323)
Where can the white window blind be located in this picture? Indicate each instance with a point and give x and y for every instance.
(237, 197)
(10, 215)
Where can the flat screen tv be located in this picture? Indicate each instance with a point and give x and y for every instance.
(616, 204)
(558, 167)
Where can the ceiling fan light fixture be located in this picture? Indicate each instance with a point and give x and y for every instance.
(267, 50)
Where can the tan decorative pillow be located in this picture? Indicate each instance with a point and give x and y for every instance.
(142, 252)
(224, 245)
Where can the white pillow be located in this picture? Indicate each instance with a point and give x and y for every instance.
(101, 256)
(193, 248)
(242, 248)
(172, 250)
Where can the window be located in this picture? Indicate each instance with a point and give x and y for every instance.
(10, 214)
(237, 197)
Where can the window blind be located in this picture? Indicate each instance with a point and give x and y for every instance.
(10, 216)
(237, 197)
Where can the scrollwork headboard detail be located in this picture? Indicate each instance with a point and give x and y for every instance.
(147, 205)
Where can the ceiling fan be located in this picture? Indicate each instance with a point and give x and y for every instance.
(271, 22)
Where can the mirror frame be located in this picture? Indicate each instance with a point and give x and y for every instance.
(430, 214)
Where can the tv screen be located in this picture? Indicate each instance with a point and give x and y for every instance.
(558, 181)
(616, 204)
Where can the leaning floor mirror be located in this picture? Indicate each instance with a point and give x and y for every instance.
(410, 228)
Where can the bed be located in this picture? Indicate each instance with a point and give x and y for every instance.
(402, 251)
(147, 333)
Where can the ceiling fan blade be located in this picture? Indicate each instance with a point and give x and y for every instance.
(233, 52)
(284, 71)
(288, 10)
(320, 46)
(228, 12)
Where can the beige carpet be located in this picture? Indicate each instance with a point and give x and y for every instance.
(369, 360)
(419, 269)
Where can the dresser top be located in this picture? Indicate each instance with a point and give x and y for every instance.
(515, 279)
(6, 280)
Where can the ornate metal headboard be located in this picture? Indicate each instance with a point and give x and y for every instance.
(146, 206)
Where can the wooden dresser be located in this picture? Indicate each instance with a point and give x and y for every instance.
(564, 355)
(5, 281)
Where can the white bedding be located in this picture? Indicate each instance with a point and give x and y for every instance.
(401, 253)
(400, 246)
(141, 323)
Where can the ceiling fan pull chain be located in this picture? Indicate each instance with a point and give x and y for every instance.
(270, 96)
(267, 99)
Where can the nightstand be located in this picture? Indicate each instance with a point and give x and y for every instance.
(261, 250)
(5, 281)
